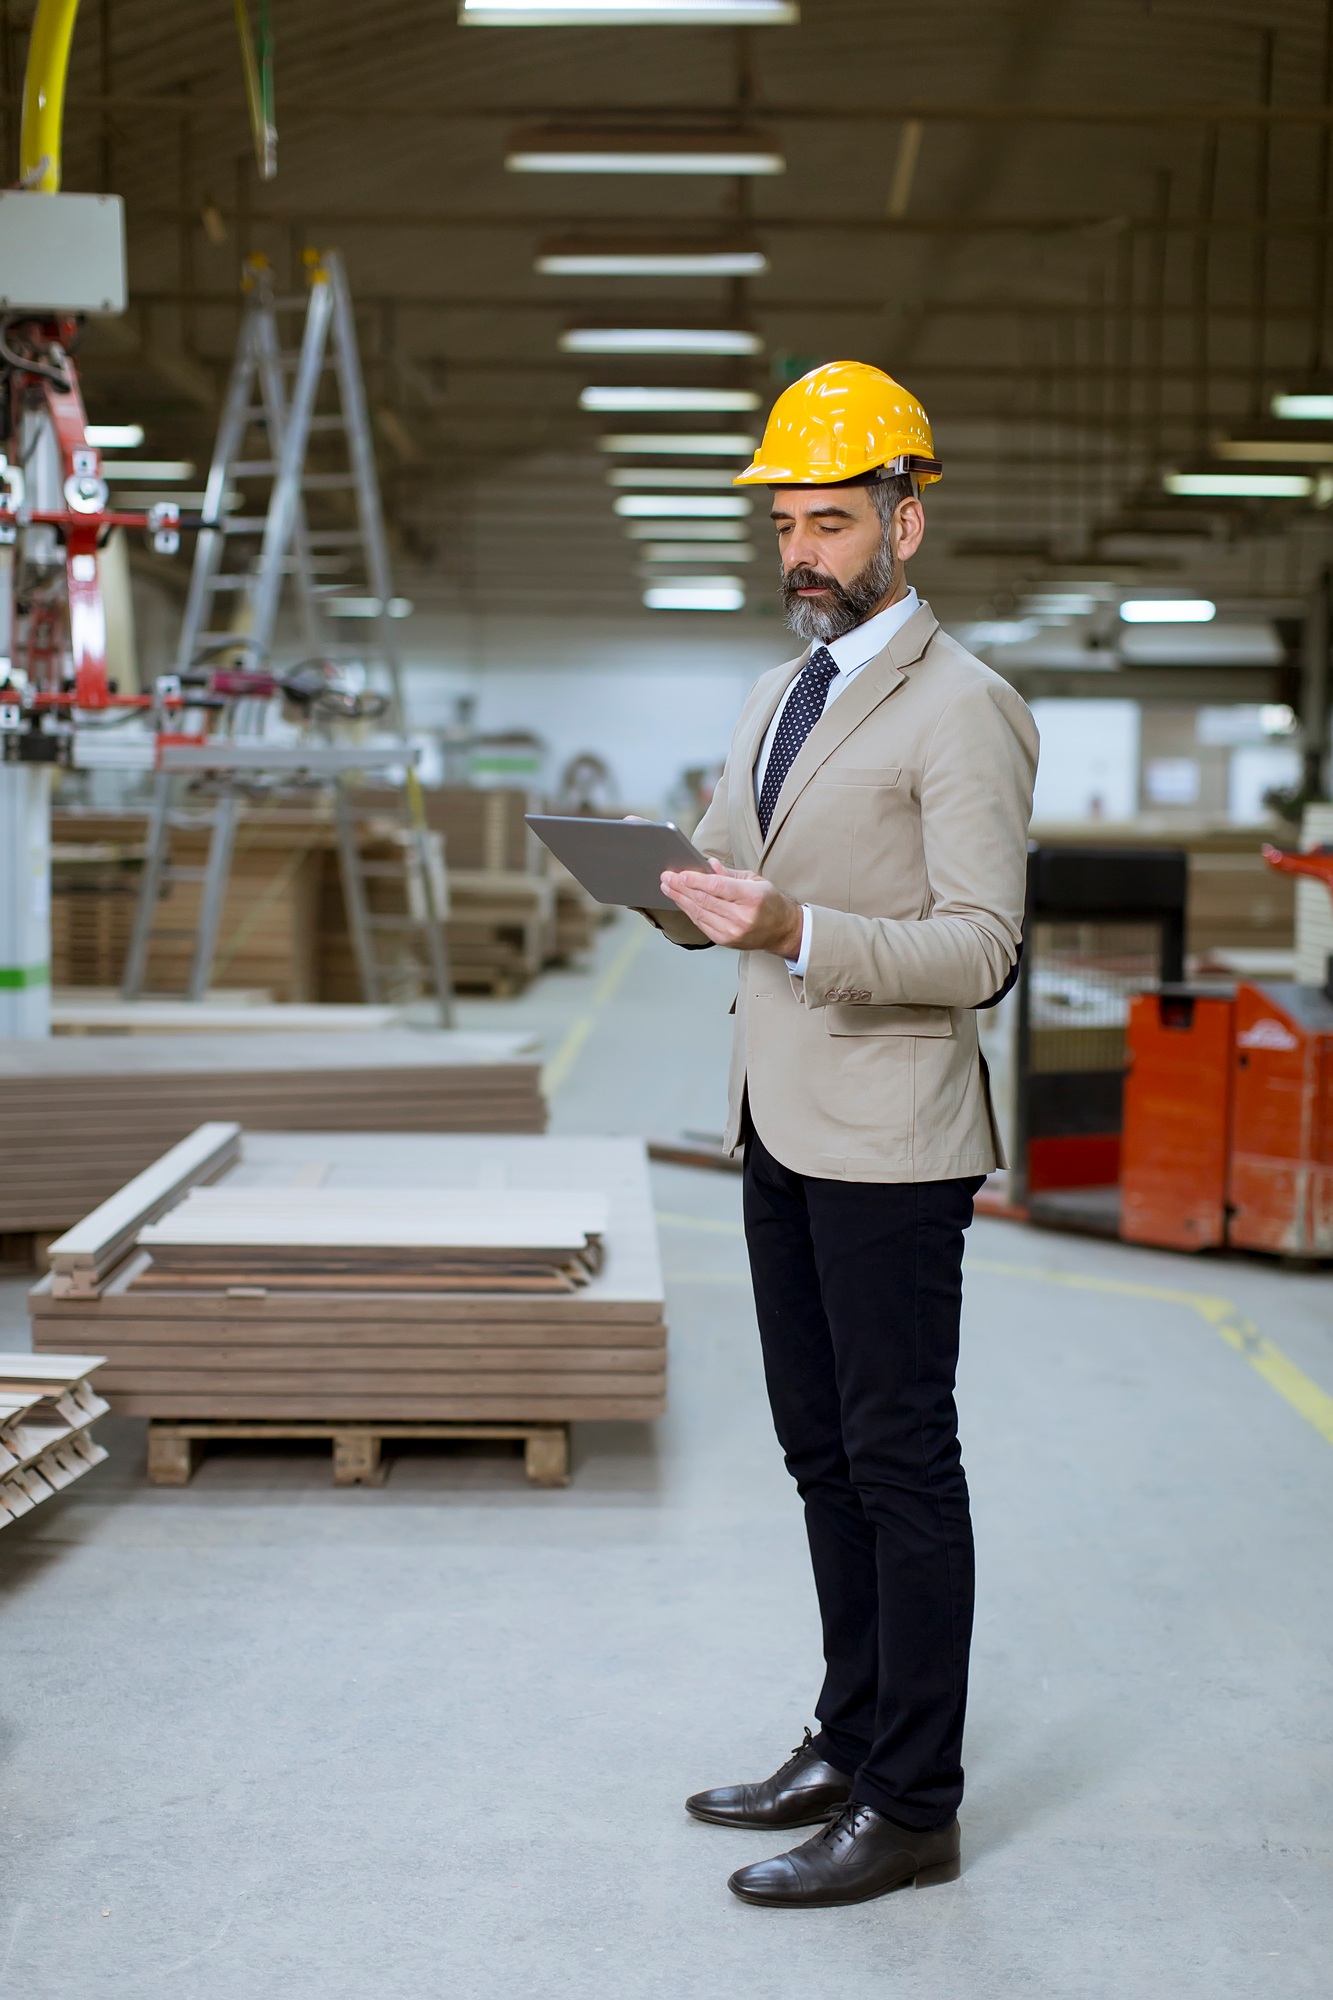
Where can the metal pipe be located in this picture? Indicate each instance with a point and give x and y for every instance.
(44, 95)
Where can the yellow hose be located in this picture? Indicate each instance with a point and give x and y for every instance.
(44, 95)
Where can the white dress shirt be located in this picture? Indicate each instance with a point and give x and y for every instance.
(854, 650)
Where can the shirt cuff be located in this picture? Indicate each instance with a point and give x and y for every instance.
(799, 965)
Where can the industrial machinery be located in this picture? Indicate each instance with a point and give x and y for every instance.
(1229, 1112)
(209, 723)
(1101, 924)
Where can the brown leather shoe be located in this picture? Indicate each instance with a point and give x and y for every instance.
(801, 1792)
(859, 1856)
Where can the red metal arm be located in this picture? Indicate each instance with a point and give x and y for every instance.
(1318, 866)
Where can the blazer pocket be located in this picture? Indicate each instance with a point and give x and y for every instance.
(843, 774)
(853, 1018)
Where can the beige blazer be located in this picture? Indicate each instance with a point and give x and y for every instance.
(903, 824)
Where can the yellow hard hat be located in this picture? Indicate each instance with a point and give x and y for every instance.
(843, 421)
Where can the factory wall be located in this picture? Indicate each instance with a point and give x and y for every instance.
(651, 704)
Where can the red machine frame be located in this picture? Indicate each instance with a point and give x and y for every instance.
(82, 524)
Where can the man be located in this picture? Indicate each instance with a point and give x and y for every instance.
(868, 850)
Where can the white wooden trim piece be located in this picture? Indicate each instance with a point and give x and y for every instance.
(62, 1371)
(85, 1253)
(346, 1218)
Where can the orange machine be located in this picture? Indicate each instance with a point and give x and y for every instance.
(1176, 1138)
(1229, 1113)
(1281, 1183)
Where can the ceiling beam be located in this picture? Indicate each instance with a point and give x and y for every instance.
(930, 112)
(636, 307)
(706, 230)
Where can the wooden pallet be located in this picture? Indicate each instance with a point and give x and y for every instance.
(174, 1447)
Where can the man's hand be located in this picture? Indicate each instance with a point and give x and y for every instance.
(731, 906)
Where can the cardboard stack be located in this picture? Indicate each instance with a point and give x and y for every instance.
(80, 1115)
(547, 1307)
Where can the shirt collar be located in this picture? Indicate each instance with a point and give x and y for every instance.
(862, 643)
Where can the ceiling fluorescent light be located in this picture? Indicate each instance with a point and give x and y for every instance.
(550, 150)
(1168, 611)
(114, 437)
(167, 471)
(696, 593)
(658, 340)
(695, 531)
(682, 506)
(663, 402)
(628, 13)
(366, 607)
(649, 260)
(681, 444)
(669, 475)
(673, 552)
(1303, 408)
(1239, 485)
(1275, 450)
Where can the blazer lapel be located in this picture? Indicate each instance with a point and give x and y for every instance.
(875, 682)
(748, 753)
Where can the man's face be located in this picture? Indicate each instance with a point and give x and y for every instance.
(839, 563)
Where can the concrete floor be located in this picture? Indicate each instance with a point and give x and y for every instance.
(267, 1741)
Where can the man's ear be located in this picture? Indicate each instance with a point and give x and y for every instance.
(907, 528)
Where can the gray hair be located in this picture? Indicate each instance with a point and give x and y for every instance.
(889, 494)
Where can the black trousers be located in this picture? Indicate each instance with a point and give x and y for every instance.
(858, 1288)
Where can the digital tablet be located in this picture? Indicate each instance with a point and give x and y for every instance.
(619, 860)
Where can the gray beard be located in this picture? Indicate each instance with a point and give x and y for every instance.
(848, 604)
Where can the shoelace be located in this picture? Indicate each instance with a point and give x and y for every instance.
(846, 1825)
(804, 1748)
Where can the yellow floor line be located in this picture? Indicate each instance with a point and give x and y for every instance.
(1267, 1359)
(620, 965)
(556, 1072)
(1264, 1355)
(562, 1062)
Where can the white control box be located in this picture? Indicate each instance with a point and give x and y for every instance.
(62, 252)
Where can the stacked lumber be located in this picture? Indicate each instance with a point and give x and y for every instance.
(455, 1241)
(47, 1405)
(100, 1012)
(94, 890)
(501, 928)
(514, 908)
(361, 1346)
(396, 906)
(267, 935)
(484, 827)
(577, 915)
(81, 1114)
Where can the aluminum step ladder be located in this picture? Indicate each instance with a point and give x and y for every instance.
(265, 438)
(258, 404)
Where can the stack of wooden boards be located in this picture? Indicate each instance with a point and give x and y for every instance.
(80, 1115)
(269, 933)
(302, 1333)
(512, 909)
(47, 1405)
(284, 924)
(338, 1239)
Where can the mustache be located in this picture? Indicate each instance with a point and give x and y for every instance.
(803, 577)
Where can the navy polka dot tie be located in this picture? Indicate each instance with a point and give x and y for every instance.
(805, 705)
